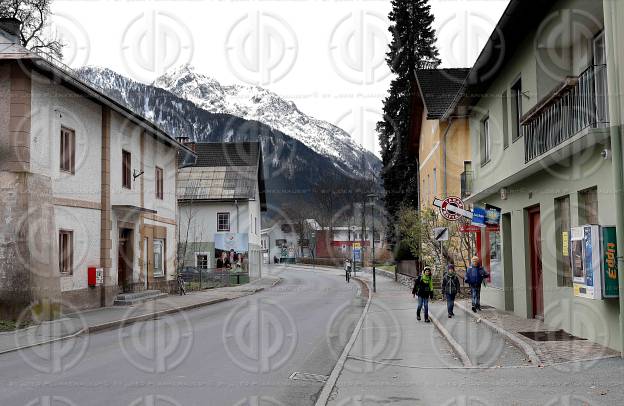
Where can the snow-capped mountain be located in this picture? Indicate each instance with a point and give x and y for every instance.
(293, 165)
(259, 104)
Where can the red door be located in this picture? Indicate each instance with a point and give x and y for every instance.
(537, 276)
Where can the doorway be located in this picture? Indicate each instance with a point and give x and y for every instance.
(125, 260)
(508, 262)
(537, 276)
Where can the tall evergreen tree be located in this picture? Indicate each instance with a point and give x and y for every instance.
(412, 47)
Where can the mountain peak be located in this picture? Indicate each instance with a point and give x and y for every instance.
(259, 104)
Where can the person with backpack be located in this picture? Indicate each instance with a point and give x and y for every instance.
(347, 267)
(423, 288)
(450, 288)
(475, 275)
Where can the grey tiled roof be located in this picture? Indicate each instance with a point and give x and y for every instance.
(223, 171)
(227, 154)
(438, 88)
(217, 183)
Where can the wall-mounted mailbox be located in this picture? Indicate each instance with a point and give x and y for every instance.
(95, 276)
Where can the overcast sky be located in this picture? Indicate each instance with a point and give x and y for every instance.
(326, 56)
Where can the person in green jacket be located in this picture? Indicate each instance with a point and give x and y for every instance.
(423, 288)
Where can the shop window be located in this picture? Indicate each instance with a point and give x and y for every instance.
(588, 206)
(66, 252)
(159, 258)
(562, 230)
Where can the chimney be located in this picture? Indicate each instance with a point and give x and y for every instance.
(10, 29)
(186, 141)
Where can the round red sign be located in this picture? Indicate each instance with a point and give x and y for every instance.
(447, 208)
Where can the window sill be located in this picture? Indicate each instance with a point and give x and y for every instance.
(486, 162)
(65, 171)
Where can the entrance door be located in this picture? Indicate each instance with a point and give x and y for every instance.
(125, 260)
(537, 276)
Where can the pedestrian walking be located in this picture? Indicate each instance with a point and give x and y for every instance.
(181, 285)
(475, 275)
(423, 288)
(450, 288)
(347, 267)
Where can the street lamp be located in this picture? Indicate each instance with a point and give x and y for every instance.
(373, 196)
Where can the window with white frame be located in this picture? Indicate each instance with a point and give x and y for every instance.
(201, 260)
(223, 221)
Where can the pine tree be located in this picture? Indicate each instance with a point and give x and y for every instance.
(412, 47)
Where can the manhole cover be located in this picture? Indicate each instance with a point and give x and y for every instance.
(302, 376)
(558, 335)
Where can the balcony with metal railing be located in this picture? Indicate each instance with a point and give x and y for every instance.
(577, 104)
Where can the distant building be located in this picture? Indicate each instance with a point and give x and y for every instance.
(444, 155)
(221, 199)
(283, 241)
(85, 183)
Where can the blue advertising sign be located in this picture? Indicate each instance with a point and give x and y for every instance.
(357, 255)
(478, 216)
(492, 215)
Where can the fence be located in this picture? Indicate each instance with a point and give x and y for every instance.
(202, 279)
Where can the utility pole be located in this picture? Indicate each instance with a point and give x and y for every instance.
(373, 197)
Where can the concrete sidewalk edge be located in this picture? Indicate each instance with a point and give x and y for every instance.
(457, 348)
(124, 322)
(323, 397)
(524, 347)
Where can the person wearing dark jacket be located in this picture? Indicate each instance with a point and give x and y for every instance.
(475, 275)
(450, 288)
(423, 288)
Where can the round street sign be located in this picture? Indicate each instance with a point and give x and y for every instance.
(447, 208)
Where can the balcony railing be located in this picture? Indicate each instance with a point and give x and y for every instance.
(577, 104)
(466, 184)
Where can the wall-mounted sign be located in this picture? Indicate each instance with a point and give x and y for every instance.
(492, 215)
(610, 288)
(478, 216)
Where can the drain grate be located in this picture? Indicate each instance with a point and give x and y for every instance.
(302, 376)
(558, 335)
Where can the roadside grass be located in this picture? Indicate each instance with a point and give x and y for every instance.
(8, 325)
(389, 268)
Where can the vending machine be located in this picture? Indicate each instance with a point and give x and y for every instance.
(585, 252)
(593, 252)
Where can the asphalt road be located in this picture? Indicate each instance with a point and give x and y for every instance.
(241, 352)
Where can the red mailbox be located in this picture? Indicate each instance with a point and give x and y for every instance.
(95, 276)
(92, 276)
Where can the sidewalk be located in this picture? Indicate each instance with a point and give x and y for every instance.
(400, 361)
(112, 317)
(548, 352)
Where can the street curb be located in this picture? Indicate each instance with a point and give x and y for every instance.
(118, 323)
(458, 349)
(524, 347)
(323, 397)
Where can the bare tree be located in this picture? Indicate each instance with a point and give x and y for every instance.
(34, 15)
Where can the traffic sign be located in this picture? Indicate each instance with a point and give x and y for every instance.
(441, 234)
(452, 208)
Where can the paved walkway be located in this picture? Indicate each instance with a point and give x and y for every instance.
(400, 361)
(549, 352)
(111, 317)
